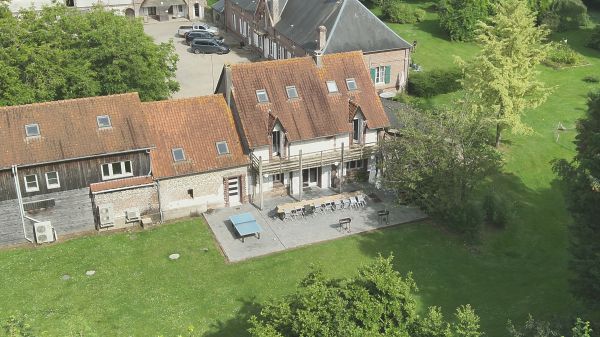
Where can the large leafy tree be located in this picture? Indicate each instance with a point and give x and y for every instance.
(501, 80)
(377, 302)
(582, 180)
(459, 17)
(60, 53)
(439, 161)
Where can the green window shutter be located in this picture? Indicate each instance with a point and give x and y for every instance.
(388, 73)
(373, 70)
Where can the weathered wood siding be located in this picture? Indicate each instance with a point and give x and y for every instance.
(72, 213)
(72, 174)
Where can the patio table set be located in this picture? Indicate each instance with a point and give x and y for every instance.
(321, 205)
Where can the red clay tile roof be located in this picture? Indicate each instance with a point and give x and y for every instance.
(195, 125)
(68, 129)
(316, 113)
(120, 183)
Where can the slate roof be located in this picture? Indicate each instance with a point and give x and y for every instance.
(350, 26)
(219, 6)
(248, 5)
(195, 125)
(316, 113)
(120, 184)
(68, 129)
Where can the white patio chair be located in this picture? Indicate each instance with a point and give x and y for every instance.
(361, 200)
(353, 203)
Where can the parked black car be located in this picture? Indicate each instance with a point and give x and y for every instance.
(195, 34)
(208, 46)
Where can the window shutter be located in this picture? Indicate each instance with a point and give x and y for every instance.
(373, 70)
(388, 73)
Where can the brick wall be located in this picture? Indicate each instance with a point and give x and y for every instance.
(398, 60)
(208, 192)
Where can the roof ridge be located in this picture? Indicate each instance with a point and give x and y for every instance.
(329, 34)
(181, 99)
(80, 99)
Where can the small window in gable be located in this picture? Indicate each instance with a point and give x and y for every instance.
(178, 154)
(351, 84)
(262, 96)
(222, 148)
(31, 183)
(32, 130)
(291, 91)
(103, 122)
(332, 86)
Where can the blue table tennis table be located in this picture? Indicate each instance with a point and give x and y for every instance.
(245, 225)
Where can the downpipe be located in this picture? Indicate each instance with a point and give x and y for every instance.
(15, 173)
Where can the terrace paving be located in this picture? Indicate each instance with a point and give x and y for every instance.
(279, 235)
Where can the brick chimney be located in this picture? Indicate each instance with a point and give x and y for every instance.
(322, 37)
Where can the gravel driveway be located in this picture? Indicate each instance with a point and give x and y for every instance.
(197, 74)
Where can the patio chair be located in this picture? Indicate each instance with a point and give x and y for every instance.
(353, 203)
(346, 203)
(294, 214)
(361, 200)
(309, 210)
(300, 212)
(338, 205)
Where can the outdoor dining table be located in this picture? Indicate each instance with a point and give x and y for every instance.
(287, 208)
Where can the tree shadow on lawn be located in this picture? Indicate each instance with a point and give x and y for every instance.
(238, 325)
(577, 40)
(507, 276)
(432, 26)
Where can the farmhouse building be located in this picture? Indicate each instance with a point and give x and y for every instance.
(52, 152)
(305, 121)
(280, 29)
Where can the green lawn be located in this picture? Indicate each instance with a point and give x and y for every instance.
(137, 291)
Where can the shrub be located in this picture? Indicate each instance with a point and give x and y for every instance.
(566, 14)
(434, 82)
(591, 79)
(459, 17)
(497, 210)
(561, 55)
(467, 220)
(594, 41)
(398, 12)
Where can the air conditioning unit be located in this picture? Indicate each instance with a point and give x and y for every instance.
(106, 214)
(44, 232)
(133, 214)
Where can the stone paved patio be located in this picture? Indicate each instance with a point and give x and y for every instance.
(280, 235)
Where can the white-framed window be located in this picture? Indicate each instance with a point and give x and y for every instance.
(351, 84)
(355, 164)
(32, 130)
(178, 154)
(31, 183)
(356, 130)
(291, 91)
(380, 75)
(116, 170)
(103, 121)
(222, 148)
(52, 180)
(332, 87)
(262, 96)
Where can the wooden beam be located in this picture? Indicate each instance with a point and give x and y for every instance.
(260, 182)
(301, 175)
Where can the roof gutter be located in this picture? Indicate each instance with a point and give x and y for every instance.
(79, 158)
(123, 188)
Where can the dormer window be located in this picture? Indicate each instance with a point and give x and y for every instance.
(103, 122)
(291, 91)
(222, 148)
(262, 96)
(332, 87)
(32, 130)
(351, 84)
(178, 154)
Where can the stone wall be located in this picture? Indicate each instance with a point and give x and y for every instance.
(195, 194)
(399, 62)
(145, 199)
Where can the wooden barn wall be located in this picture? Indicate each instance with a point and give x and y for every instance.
(72, 175)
